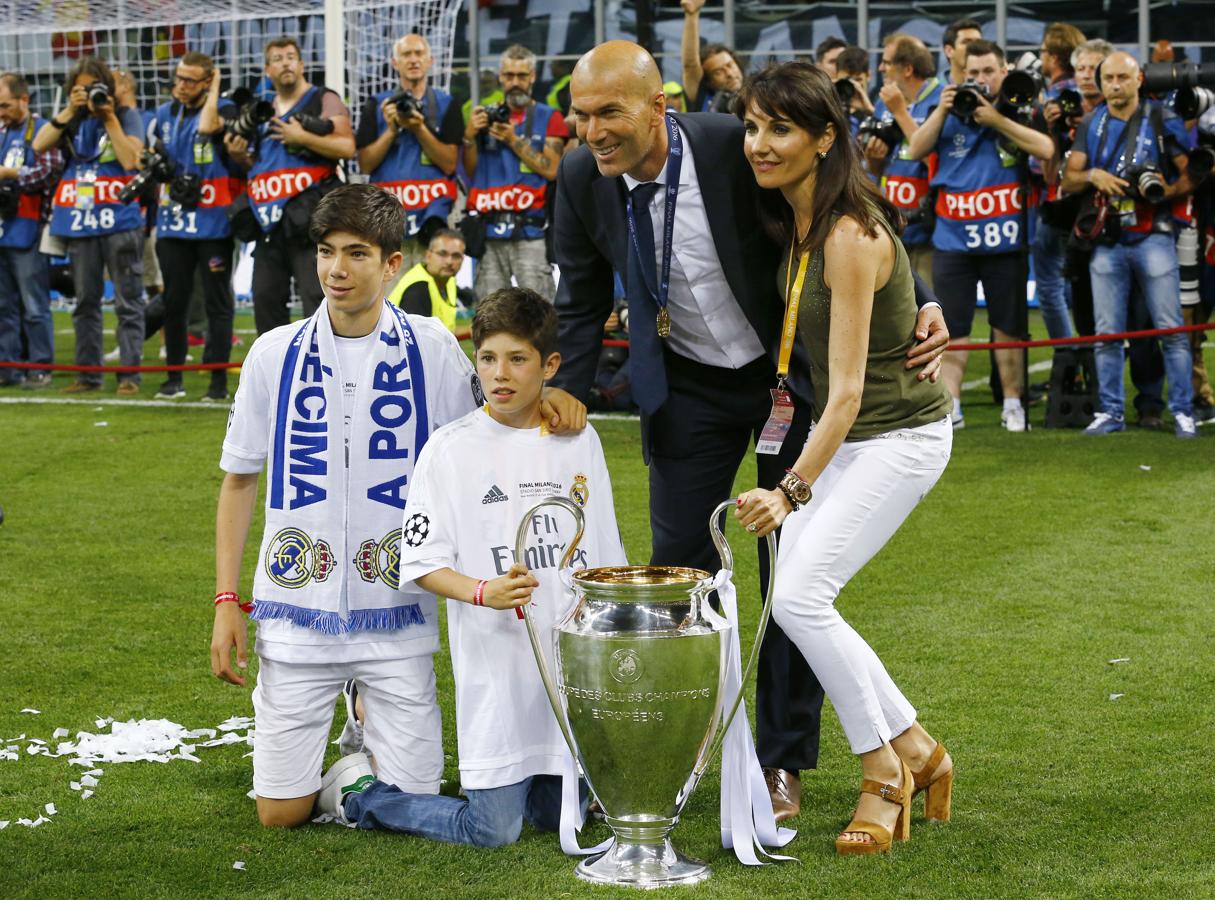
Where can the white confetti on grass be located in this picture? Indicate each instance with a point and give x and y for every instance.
(239, 865)
(143, 740)
(1121, 659)
(32, 712)
(1116, 696)
(1145, 468)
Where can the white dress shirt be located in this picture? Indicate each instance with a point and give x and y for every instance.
(707, 324)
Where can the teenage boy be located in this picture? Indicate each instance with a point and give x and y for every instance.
(341, 405)
(472, 485)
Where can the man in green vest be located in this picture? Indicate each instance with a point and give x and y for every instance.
(429, 288)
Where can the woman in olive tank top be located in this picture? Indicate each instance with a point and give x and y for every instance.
(881, 437)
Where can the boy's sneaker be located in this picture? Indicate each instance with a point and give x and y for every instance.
(128, 388)
(351, 740)
(957, 420)
(1203, 413)
(1183, 426)
(171, 390)
(349, 775)
(1013, 418)
(1104, 423)
(37, 381)
(216, 395)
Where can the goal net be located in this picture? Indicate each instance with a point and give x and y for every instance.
(42, 39)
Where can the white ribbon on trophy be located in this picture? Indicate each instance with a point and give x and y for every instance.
(748, 824)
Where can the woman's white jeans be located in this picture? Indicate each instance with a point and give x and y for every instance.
(860, 500)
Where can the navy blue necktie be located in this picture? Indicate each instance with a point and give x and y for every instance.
(647, 373)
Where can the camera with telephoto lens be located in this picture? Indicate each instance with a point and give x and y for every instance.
(968, 98)
(157, 167)
(889, 133)
(1018, 94)
(1191, 81)
(249, 115)
(1146, 183)
(846, 91)
(10, 198)
(314, 124)
(98, 94)
(407, 105)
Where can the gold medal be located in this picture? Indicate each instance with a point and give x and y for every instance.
(664, 323)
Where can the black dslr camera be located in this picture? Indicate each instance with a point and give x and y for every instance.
(314, 124)
(10, 199)
(889, 133)
(1146, 183)
(185, 188)
(499, 114)
(407, 105)
(249, 115)
(98, 93)
(968, 98)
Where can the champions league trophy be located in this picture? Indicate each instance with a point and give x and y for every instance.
(640, 674)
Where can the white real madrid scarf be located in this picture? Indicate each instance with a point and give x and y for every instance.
(330, 557)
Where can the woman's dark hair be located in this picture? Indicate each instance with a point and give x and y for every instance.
(801, 93)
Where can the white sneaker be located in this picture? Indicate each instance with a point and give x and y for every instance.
(349, 775)
(1183, 426)
(957, 420)
(351, 740)
(1013, 418)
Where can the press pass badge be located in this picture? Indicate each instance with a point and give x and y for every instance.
(86, 189)
(779, 422)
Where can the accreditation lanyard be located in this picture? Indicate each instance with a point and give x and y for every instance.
(674, 163)
(780, 420)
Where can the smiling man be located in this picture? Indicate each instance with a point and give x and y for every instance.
(704, 316)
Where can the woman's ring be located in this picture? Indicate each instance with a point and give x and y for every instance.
(753, 528)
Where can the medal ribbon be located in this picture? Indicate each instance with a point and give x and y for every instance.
(674, 163)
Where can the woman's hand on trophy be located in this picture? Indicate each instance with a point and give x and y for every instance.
(511, 590)
(761, 512)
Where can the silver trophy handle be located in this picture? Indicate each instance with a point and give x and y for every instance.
(727, 562)
(546, 676)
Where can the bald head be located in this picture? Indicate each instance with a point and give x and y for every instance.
(626, 65)
(1120, 82)
(619, 109)
(411, 58)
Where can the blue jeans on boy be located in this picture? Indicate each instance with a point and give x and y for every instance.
(25, 299)
(1151, 264)
(1050, 287)
(492, 817)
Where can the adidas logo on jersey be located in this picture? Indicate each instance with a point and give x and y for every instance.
(494, 495)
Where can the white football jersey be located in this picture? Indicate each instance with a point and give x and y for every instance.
(472, 485)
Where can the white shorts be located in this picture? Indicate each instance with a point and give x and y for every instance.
(293, 706)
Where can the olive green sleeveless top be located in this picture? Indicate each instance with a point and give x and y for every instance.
(892, 397)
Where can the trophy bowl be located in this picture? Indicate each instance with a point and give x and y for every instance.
(640, 663)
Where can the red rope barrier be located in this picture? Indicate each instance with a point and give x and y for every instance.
(616, 342)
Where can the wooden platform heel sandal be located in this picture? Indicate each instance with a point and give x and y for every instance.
(882, 836)
(938, 792)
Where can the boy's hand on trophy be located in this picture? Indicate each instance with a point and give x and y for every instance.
(510, 590)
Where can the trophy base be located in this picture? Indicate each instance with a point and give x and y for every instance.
(642, 866)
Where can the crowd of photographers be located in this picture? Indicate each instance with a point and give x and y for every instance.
(1066, 157)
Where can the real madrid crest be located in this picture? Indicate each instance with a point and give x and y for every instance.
(579, 491)
(292, 558)
(380, 559)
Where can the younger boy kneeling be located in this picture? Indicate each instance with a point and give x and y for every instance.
(471, 486)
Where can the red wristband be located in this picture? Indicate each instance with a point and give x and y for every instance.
(479, 593)
(233, 597)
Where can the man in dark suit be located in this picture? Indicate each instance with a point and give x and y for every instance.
(705, 387)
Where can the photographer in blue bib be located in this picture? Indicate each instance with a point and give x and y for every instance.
(197, 182)
(26, 182)
(101, 141)
(292, 147)
(981, 141)
(408, 143)
(1132, 154)
(910, 90)
(511, 153)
